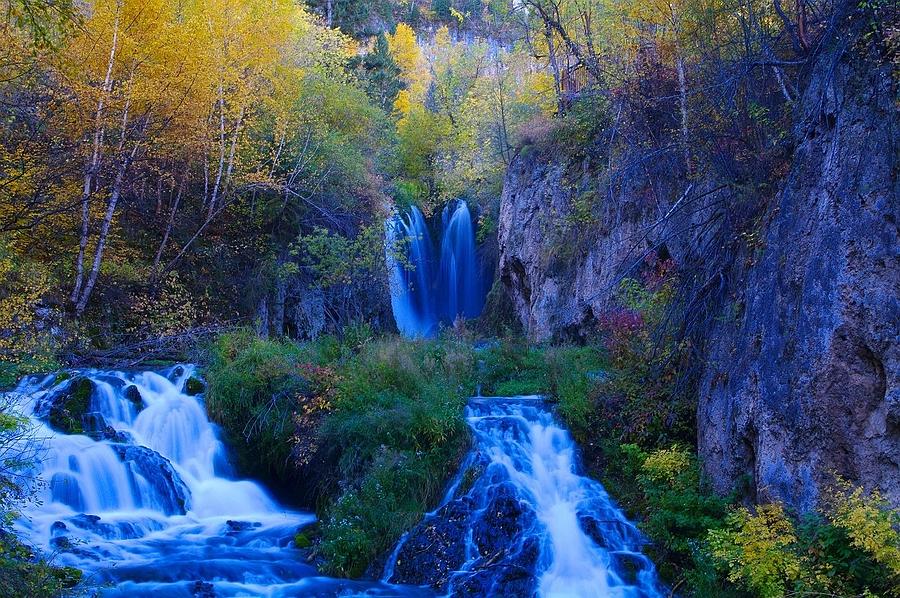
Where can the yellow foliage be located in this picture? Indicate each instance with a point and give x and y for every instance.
(408, 55)
(870, 523)
(173, 310)
(403, 103)
(756, 548)
(666, 465)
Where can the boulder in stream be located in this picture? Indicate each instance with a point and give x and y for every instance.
(69, 405)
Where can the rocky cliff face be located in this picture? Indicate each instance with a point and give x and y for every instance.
(800, 372)
(559, 266)
(805, 382)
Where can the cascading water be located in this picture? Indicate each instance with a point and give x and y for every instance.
(148, 505)
(426, 291)
(460, 284)
(411, 282)
(519, 520)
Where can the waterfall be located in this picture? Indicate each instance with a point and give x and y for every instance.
(460, 287)
(145, 502)
(530, 524)
(426, 291)
(411, 281)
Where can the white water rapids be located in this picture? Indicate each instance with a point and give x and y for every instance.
(149, 506)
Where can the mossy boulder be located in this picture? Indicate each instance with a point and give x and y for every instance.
(133, 395)
(194, 386)
(70, 406)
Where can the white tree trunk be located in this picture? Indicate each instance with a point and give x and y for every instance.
(93, 163)
(683, 105)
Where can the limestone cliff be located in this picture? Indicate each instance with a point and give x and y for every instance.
(806, 383)
(799, 365)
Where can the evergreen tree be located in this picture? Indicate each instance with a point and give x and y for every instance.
(381, 74)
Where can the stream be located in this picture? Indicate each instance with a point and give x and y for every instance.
(145, 502)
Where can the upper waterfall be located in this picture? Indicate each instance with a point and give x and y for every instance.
(429, 289)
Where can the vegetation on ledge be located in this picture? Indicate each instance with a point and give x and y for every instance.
(381, 420)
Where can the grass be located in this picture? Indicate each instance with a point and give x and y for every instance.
(564, 374)
(397, 433)
(253, 389)
(387, 421)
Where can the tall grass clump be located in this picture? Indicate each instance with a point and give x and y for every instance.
(397, 434)
(376, 424)
(565, 374)
(253, 392)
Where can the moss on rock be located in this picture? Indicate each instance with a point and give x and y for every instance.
(69, 407)
(194, 386)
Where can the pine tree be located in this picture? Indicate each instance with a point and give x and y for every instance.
(381, 74)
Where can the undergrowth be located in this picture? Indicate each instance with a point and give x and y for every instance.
(385, 416)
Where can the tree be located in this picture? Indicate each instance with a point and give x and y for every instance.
(381, 74)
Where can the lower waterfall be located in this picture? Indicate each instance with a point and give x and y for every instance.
(145, 503)
(143, 499)
(519, 519)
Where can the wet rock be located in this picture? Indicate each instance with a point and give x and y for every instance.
(593, 529)
(58, 536)
(96, 427)
(435, 548)
(62, 543)
(175, 373)
(194, 386)
(69, 405)
(133, 394)
(514, 575)
(171, 496)
(504, 519)
(202, 589)
(628, 565)
(85, 521)
(233, 528)
(121, 530)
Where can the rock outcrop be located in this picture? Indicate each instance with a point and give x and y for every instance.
(561, 267)
(800, 366)
(805, 383)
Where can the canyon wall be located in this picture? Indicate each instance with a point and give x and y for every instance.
(805, 383)
(799, 372)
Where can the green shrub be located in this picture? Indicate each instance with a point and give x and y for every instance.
(253, 389)
(572, 373)
(366, 520)
(21, 576)
(583, 124)
(664, 490)
(757, 550)
(397, 434)
(846, 549)
(565, 374)
(388, 422)
(641, 401)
